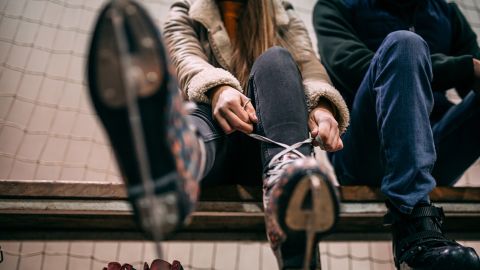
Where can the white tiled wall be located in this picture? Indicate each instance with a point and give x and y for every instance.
(48, 131)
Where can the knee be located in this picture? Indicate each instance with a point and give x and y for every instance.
(406, 42)
(405, 52)
(276, 52)
(275, 58)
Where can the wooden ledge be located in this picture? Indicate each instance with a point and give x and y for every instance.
(99, 190)
(92, 210)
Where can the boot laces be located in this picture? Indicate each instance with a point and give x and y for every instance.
(281, 160)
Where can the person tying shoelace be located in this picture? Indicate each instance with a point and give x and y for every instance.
(262, 99)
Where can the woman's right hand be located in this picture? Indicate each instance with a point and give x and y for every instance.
(232, 110)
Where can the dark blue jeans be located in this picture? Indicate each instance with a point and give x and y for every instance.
(276, 90)
(391, 141)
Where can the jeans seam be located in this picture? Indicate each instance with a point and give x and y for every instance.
(257, 110)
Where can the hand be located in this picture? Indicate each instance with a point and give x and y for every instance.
(324, 127)
(476, 72)
(230, 111)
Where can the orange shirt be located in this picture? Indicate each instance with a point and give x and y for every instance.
(231, 10)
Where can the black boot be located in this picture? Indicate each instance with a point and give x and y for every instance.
(418, 241)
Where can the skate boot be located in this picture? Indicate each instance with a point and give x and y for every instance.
(301, 205)
(419, 243)
(137, 100)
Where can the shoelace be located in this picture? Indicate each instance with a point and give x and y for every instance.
(278, 162)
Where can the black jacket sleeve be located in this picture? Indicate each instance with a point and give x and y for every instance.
(456, 69)
(344, 55)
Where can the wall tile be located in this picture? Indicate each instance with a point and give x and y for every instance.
(55, 149)
(64, 40)
(20, 113)
(58, 261)
(8, 28)
(38, 61)
(71, 96)
(57, 66)
(18, 57)
(6, 164)
(9, 80)
(77, 152)
(202, 254)
(33, 262)
(5, 103)
(10, 261)
(249, 256)
(51, 91)
(53, 13)
(22, 170)
(15, 7)
(4, 51)
(32, 146)
(63, 122)
(48, 172)
(227, 255)
(26, 32)
(104, 252)
(45, 37)
(34, 10)
(10, 139)
(80, 248)
(29, 86)
(41, 119)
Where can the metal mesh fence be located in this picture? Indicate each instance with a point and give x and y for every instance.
(48, 131)
(193, 256)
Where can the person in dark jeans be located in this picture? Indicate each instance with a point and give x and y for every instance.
(393, 61)
(261, 96)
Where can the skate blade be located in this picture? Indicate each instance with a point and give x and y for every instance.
(159, 215)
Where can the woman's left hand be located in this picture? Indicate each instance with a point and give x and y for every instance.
(324, 129)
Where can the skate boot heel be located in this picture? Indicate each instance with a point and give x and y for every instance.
(319, 219)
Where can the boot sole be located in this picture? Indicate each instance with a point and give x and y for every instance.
(139, 141)
(298, 219)
(303, 218)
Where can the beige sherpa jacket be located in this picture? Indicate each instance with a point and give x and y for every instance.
(201, 51)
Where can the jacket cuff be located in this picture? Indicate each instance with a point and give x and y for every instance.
(465, 71)
(208, 79)
(326, 91)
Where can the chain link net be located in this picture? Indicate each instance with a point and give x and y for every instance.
(48, 131)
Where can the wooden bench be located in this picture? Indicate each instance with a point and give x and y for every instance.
(49, 210)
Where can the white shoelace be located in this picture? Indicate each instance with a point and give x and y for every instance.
(281, 159)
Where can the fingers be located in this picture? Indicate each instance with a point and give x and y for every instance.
(233, 111)
(236, 123)
(313, 127)
(248, 107)
(322, 137)
(229, 121)
(237, 109)
(223, 123)
(324, 128)
(329, 135)
(333, 139)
